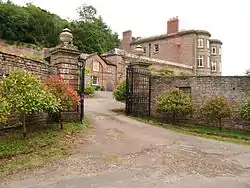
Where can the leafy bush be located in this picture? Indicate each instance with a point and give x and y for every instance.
(4, 110)
(66, 96)
(174, 101)
(89, 90)
(216, 109)
(120, 92)
(245, 110)
(26, 95)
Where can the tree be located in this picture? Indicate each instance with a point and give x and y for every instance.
(120, 92)
(245, 110)
(216, 109)
(174, 101)
(247, 72)
(91, 34)
(66, 96)
(25, 93)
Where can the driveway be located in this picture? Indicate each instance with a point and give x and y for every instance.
(123, 153)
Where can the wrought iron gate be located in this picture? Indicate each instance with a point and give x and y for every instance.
(138, 91)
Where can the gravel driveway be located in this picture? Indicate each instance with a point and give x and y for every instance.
(123, 153)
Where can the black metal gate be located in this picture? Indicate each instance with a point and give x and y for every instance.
(138, 91)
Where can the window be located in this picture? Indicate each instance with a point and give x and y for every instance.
(214, 50)
(145, 49)
(200, 43)
(208, 44)
(200, 61)
(208, 61)
(95, 80)
(96, 66)
(213, 66)
(156, 49)
(109, 69)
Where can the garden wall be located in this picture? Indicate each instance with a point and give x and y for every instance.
(9, 63)
(234, 88)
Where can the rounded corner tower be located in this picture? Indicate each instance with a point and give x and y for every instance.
(202, 65)
(215, 53)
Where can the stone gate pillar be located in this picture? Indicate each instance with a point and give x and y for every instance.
(64, 58)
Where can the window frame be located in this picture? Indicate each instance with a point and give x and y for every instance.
(208, 44)
(213, 65)
(208, 61)
(92, 81)
(109, 69)
(213, 53)
(199, 58)
(198, 42)
(156, 51)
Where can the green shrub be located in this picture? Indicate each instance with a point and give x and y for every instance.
(174, 101)
(89, 90)
(245, 110)
(216, 109)
(120, 92)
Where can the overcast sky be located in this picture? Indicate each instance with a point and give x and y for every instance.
(225, 20)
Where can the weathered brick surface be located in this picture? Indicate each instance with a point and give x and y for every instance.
(235, 88)
(9, 63)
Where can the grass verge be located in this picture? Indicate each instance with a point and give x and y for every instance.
(228, 135)
(41, 146)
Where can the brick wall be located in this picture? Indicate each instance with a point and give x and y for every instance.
(9, 63)
(235, 89)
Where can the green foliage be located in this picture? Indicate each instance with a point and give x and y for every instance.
(4, 110)
(91, 34)
(89, 90)
(31, 24)
(174, 101)
(247, 72)
(216, 109)
(245, 110)
(25, 93)
(120, 92)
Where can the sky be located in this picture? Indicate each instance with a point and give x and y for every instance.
(225, 20)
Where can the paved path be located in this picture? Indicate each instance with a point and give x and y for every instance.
(124, 153)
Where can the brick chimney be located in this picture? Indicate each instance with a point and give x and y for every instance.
(173, 25)
(126, 40)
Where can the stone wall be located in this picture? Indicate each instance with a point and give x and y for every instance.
(235, 89)
(9, 63)
(29, 51)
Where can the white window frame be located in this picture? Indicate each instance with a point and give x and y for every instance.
(208, 44)
(200, 43)
(215, 51)
(156, 51)
(200, 61)
(208, 61)
(109, 69)
(214, 64)
(219, 50)
(97, 81)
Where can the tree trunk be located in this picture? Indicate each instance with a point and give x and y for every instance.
(24, 126)
(60, 120)
(174, 118)
(220, 125)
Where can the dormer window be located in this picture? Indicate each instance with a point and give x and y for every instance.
(213, 50)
